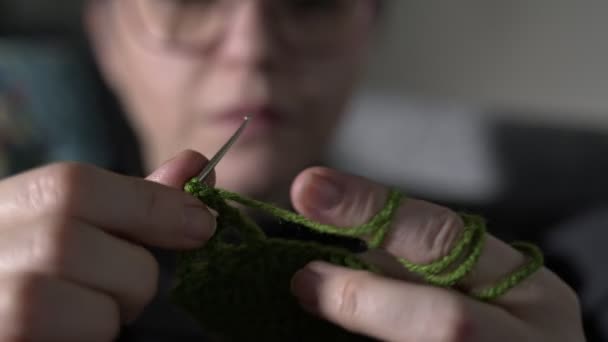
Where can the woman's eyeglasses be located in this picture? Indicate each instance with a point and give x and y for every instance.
(195, 24)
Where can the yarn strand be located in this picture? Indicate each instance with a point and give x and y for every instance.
(447, 271)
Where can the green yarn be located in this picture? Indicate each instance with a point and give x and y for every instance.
(376, 228)
(240, 290)
(238, 284)
(468, 249)
(536, 261)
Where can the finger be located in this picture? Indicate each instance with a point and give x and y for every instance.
(129, 207)
(391, 310)
(421, 232)
(327, 196)
(68, 249)
(39, 308)
(175, 172)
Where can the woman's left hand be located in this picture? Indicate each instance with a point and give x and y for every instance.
(400, 307)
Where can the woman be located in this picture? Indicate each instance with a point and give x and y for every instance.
(186, 71)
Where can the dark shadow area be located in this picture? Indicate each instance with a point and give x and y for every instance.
(36, 17)
(549, 174)
(554, 175)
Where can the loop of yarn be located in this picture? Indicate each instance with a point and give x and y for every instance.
(218, 282)
(376, 229)
(461, 259)
(535, 262)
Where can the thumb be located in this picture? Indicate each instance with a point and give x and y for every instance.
(177, 171)
(337, 198)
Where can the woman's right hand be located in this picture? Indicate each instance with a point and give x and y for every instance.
(72, 265)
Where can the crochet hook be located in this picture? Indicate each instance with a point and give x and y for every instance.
(222, 152)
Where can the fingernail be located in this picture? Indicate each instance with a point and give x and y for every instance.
(305, 286)
(199, 224)
(326, 191)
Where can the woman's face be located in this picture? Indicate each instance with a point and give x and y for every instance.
(187, 71)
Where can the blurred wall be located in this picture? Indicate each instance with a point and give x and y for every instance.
(550, 56)
(486, 101)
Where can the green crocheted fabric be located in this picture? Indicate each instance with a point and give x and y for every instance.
(241, 291)
(238, 285)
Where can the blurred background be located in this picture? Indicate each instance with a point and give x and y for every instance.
(502, 102)
(489, 97)
(498, 107)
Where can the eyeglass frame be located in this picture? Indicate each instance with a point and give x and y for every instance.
(157, 42)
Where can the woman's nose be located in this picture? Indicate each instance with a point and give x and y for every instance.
(247, 39)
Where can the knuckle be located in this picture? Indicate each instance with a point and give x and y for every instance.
(442, 229)
(17, 305)
(24, 294)
(573, 300)
(364, 203)
(142, 288)
(151, 200)
(109, 327)
(457, 325)
(52, 243)
(570, 299)
(57, 188)
(544, 286)
(349, 297)
(148, 284)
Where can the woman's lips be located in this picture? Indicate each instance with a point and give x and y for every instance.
(262, 120)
